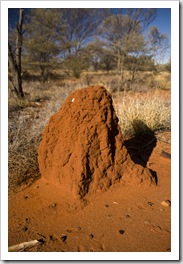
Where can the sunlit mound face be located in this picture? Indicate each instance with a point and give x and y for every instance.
(82, 148)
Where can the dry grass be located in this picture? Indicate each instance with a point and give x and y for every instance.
(150, 109)
(28, 118)
(143, 82)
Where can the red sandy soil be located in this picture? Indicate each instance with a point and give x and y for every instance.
(129, 218)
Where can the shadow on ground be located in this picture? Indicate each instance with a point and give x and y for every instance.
(141, 145)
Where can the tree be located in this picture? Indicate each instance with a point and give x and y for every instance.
(14, 58)
(107, 61)
(60, 34)
(80, 27)
(74, 64)
(42, 40)
(93, 53)
(142, 17)
(158, 44)
(168, 65)
(140, 63)
(134, 45)
(124, 33)
(114, 29)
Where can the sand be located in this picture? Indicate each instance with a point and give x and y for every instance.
(122, 218)
(128, 220)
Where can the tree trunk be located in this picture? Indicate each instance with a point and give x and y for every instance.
(15, 61)
(122, 67)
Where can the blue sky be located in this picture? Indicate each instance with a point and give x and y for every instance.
(162, 22)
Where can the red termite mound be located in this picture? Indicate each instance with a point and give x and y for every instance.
(82, 148)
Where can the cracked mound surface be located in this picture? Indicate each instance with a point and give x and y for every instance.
(82, 148)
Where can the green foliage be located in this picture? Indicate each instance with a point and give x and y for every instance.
(158, 44)
(99, 56)
(40, 42)
(74, 65)
(82, 38)
(123, 34)
(107, 62)
(168, 66)
(141, 63)
(79, 24)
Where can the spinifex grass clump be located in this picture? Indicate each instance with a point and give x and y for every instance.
(153, 111)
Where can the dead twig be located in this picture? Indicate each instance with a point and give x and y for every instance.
(22, 246)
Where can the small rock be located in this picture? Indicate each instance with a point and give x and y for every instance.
(53, 205)
(110, 215)
(63, 238)
(41, 241)
(165, 154)
(127, 216)
(150, 203)
(106, 205)
(166, 203)
(91, 236)
(51, 237)
(25, 228)
(121, 232)
(147, 222)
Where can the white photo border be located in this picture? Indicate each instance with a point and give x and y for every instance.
(174, 254)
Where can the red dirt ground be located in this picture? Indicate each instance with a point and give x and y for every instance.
(124, 218)
(39, 212)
